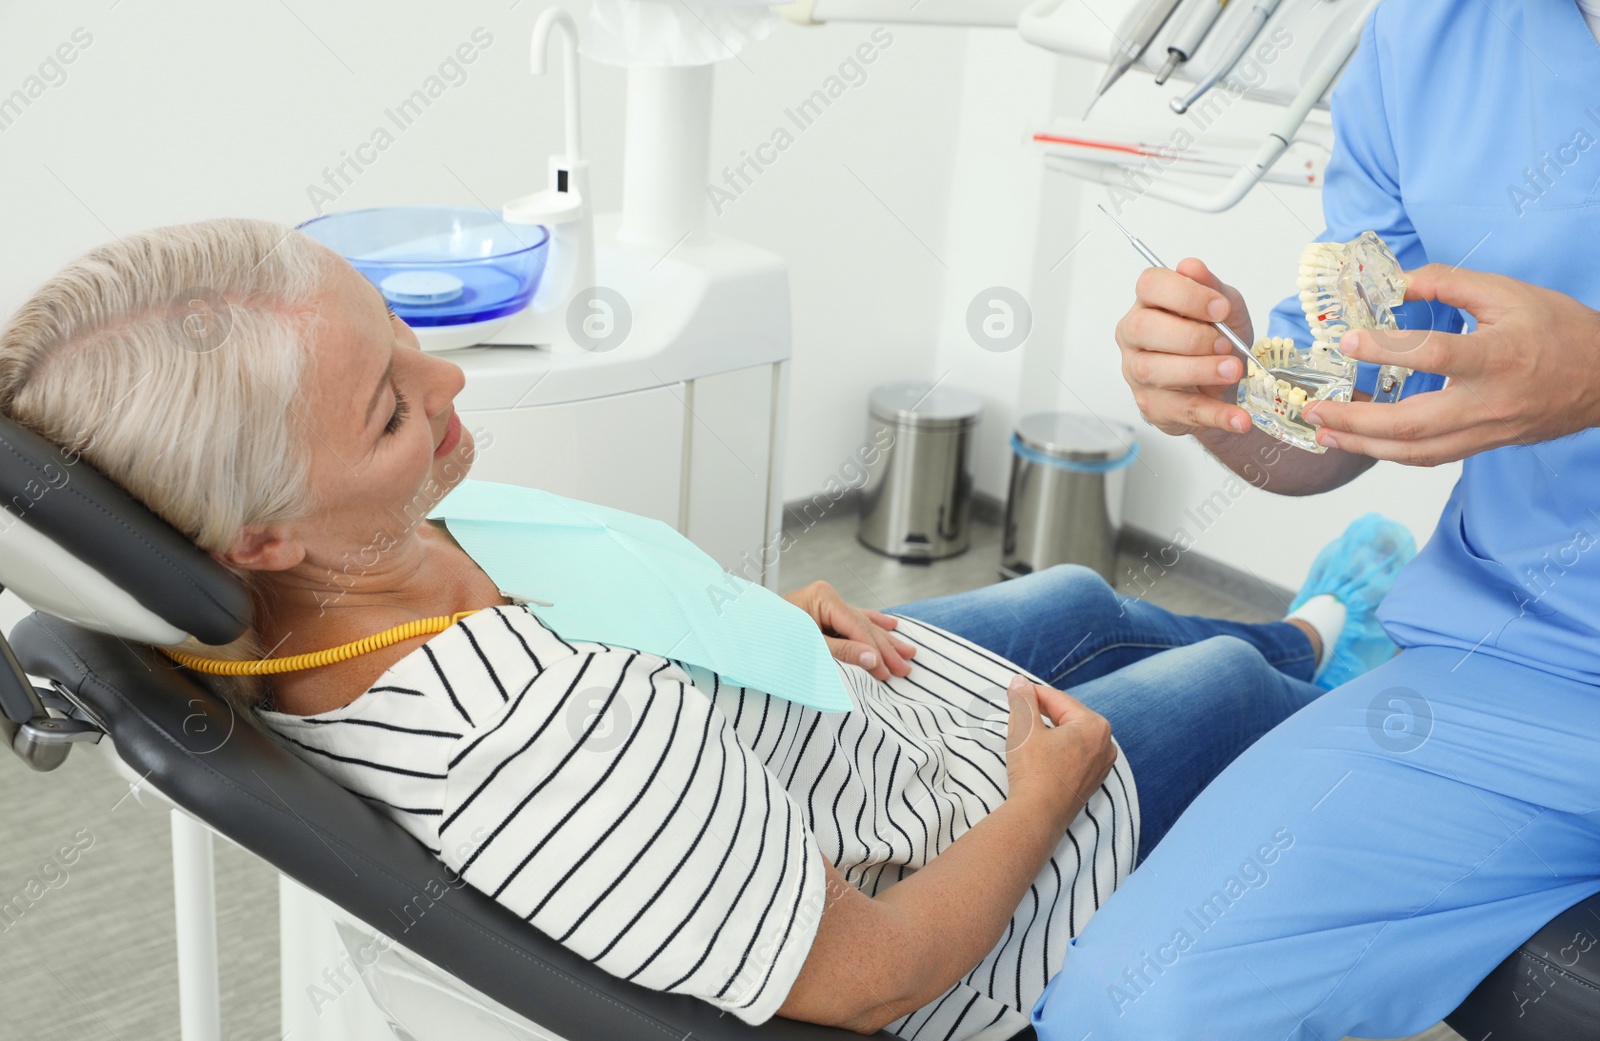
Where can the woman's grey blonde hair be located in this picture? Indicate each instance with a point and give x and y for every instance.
(171, 359)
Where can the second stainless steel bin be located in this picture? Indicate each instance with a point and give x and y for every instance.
(915, 501)
(1065, 502)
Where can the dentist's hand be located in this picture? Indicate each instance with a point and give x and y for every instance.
(1183, 374)
(1530, 372)
(855, 636)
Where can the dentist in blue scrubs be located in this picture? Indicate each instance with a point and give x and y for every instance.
(1365, 864)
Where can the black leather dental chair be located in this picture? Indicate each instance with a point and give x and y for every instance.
(108, 578)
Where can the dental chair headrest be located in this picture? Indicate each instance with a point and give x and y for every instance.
(74, 544)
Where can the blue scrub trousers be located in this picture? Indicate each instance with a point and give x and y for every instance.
(1184, 695)
(1358, 870)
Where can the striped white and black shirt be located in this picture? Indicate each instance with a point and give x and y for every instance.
(667, 826)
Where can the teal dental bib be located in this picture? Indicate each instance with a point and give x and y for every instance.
(597, 574)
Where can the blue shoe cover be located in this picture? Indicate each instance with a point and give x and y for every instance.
(1358, 569)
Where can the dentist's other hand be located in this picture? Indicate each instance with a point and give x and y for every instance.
(1183, 374)
(1530, 372)
(855, 635)
(1061, 765)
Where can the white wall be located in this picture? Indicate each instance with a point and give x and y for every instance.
(857, 205)
(914, 190)
(182, 109)
(1010, 223)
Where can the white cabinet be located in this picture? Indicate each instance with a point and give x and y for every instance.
(732, 469)
(624, 451)
(700, 455)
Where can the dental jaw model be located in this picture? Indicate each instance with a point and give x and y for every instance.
(1343, 286)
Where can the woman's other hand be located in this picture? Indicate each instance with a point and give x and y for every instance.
(876, 959)
(1060, 765)
(855, 635)
(1182, 370)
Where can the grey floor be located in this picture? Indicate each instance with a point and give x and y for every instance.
(92, 958)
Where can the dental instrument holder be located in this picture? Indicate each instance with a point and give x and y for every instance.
(1042, 25)
(1130, 48)
(564, 207)
(1194, 31)
(1260, 12)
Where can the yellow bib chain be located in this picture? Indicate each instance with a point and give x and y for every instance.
(296, 662)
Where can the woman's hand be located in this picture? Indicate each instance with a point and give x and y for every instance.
(855, 636)
(876, 959)
(1062, 764)
(1529, 373)
(1181, 369)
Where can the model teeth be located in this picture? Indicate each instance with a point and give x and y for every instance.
(1276, 352)
(1328, 295)
(1342, 286)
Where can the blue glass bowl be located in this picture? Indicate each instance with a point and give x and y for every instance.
(439, 265)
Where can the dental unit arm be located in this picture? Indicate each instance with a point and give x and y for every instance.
(1065, 27)
(1285, 132)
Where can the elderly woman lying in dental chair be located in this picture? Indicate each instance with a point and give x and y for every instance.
(919, 862)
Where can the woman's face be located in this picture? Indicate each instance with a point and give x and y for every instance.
(385, 443)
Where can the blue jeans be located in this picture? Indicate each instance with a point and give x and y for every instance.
(1184, 695)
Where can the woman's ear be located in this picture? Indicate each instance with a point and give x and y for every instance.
(262, 547)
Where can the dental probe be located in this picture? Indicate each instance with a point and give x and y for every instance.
(1182, 48)
(1144, 30)
(1254, 23)
(1304, 378)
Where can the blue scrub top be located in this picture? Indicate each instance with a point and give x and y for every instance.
(1469, 133)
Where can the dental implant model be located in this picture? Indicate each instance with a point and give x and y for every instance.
(1343, 286)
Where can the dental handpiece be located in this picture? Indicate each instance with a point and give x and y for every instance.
(1144, 31)
(1188, 40)
(1260, 12)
